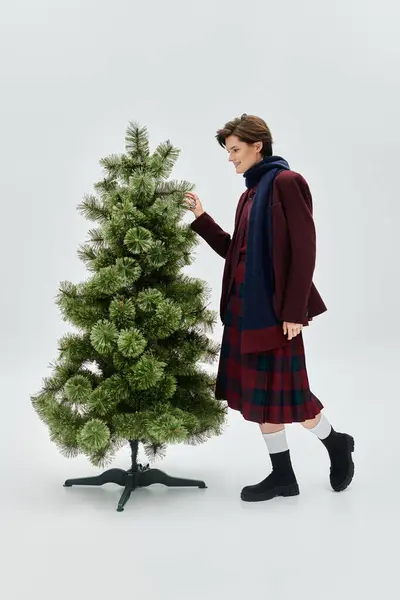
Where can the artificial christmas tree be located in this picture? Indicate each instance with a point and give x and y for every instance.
(131, 371)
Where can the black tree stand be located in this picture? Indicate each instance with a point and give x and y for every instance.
(137, 476)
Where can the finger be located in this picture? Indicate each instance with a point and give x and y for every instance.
(190, 202)
(192, 198)
(284, 328)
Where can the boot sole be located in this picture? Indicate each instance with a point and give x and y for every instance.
(281, 490)
(345, 484)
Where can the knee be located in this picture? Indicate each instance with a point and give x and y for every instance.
(310, 423)
(271, 427)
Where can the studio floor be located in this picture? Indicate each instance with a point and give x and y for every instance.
(206, 543)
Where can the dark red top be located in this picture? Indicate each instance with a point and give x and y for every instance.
(296, 299)
(244, 224)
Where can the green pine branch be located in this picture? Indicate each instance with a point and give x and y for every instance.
(137, 141)
(91, 208)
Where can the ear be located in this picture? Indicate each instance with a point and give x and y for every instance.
(258, 146)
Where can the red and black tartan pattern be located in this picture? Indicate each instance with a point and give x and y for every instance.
(266, 387)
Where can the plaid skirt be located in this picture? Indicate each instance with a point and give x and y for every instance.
(266, 387)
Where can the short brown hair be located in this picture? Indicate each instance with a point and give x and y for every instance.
(249, 129)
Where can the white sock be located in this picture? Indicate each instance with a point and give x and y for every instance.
(276, 442)
(323, 428)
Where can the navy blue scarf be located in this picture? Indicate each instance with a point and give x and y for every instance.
(259, 277)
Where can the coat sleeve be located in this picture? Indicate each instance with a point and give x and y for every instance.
(212, 233)
(295, 197)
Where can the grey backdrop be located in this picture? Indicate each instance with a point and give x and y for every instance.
(326, 77)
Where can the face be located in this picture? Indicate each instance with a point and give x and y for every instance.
(242, 154)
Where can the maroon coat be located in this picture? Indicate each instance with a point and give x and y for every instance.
(296, 299)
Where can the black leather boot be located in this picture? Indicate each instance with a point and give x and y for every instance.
(281, 482)
(340, 447)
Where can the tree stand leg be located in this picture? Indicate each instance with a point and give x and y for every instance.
(137, 476)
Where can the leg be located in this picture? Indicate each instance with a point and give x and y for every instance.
(312, 423)
(117, 476)
(152, 476)
(271, 427)
(131, 485)
(339, 446)
(282, 480)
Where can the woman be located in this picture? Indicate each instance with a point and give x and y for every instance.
(268, 296)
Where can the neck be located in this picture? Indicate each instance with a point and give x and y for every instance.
(253, 175)
(257, 161)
